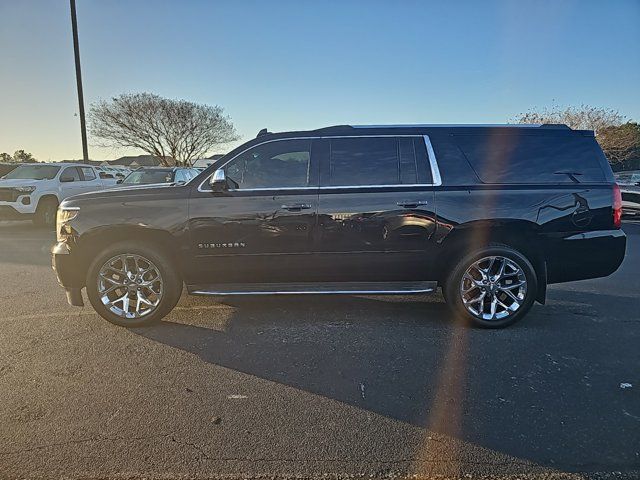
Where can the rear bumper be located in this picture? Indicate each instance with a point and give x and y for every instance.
(584, 255)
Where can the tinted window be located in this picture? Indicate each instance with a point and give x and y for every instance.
(278, 164)
(88, 173)
(378, 161)
(453, 165)
(408, 167)
(71, 172)
(364, 161)
(533, 158)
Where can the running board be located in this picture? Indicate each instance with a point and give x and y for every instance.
(333, 288)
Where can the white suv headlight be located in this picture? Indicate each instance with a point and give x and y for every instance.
(64, 216)
(28, 189)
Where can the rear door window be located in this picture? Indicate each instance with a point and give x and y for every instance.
(87, 173)
(375, 161)
(533, 158)
(71, 172)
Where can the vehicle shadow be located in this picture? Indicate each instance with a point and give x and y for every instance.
(23, 243)
(523, 391)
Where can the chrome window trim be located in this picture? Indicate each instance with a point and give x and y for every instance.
(435, 171)
(436, 179)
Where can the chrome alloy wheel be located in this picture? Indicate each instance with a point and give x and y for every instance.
(130, 286)
(493, 288)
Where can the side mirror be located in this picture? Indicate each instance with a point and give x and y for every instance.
(66, 179)
(119, 181)
(218, 182)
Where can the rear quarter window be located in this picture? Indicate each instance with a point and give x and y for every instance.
(533, 159)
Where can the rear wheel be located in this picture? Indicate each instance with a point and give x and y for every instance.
(493, 287)
(131, 286)
(45, 215)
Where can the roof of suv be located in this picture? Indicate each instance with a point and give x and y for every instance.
(264, 135)
(428, 129)
(54, 164)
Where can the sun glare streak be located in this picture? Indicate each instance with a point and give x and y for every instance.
(447, 409)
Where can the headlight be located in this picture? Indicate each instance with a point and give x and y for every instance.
(64, 216)
(28, 189)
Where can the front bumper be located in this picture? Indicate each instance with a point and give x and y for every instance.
(69, 272)
(18, 207)
(9, 211)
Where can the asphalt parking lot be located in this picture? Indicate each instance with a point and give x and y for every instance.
(343, 387)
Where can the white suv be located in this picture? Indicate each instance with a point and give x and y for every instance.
(35, 190)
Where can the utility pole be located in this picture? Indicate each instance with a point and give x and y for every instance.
(76, 51)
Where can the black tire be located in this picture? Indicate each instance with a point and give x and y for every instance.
(172, 283)
(452, 288)
(46, 210)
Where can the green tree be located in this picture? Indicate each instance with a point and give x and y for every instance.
(20, 156)
(5, 158)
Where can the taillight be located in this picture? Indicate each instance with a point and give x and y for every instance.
(617, 206)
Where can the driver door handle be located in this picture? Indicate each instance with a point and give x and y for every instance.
(296, 207)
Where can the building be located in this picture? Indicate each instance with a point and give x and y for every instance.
(205, 162)
(142, 161)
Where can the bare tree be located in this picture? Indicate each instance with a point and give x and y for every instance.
(607, 124)
(622, 143)
(583, 117)
(165, 128)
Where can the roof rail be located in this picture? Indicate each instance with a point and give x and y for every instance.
(468, 125)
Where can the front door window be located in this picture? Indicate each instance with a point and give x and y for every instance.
(273, 165)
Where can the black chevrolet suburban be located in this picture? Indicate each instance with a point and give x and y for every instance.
(491, 214)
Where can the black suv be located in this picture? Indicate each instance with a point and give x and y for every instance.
(492, 214)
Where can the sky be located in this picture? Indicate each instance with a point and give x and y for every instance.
(289, 65)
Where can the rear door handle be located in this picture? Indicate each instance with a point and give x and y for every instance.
(412, 203)
(296, 207)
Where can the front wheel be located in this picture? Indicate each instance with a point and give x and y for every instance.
(45, 215)
(492, 288)
(132, 286)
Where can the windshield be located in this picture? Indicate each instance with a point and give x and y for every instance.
(33, 172)
(145, 177)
